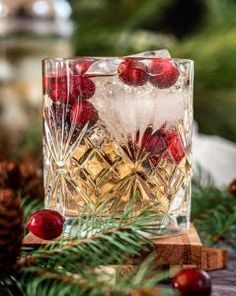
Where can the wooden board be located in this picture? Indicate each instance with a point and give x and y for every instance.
(179, 249)
(176, 251)
(213, 259)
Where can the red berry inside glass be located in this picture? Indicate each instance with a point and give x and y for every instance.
(83, 112)
(68, 89)
(83, 66)
(153, 142)
(86, 87)
(192, 282)
(60, 115)
(46, 224)
(133, 72)
(163, 73)
(146, 138)
(132, 63)
(175, 145)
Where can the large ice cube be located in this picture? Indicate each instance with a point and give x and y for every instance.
(125, 109)
(160, 53)
(104, 66)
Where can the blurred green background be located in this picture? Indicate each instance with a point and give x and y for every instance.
(202, 30)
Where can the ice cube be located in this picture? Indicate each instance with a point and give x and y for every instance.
(109, 66)
(160, 53)
(104, 66)
(131, 109)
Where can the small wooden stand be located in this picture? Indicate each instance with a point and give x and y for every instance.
(187, 249)
(174, 252)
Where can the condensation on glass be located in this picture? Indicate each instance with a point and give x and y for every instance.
(111, 137)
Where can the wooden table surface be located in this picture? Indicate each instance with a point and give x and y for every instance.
(224, 281)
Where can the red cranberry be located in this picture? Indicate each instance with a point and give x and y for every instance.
(83, 112)
(153, 142)
(132, 63)
(46, 224)
(133, 72)
(192, 282)
(146, 139)
(60, 113)
(83, 66)
(164, 72)
(157, 143)
(86, 87)
(175, 145)
(134, 77)
(68, 89)
(56, 87)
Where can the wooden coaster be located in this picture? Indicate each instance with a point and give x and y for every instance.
(176, 251)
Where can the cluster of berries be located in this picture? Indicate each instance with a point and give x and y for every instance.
(77, 88)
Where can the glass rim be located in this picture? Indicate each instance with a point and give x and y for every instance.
(97, 58)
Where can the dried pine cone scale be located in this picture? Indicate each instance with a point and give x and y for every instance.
(25, 175)
(9, 174)
(31, 179)
(11, 229)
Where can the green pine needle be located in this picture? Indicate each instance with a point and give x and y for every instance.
(213, 211)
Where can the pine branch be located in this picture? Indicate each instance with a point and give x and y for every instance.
(125, 237)
(99, 281)
(213, 211)
(70, 266)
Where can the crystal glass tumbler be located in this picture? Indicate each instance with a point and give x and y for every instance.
(116, 130)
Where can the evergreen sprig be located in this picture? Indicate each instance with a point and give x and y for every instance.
(99, 281)
(111, 244)
(213, 211)
(81, 265)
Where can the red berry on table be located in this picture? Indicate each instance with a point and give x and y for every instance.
(133, 72)
(83, 112)
(46, 224)
(192, 282)
(175, 145)
(163, 72)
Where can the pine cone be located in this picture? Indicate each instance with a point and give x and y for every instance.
(11, 230)
(34, 188)
(31, 178)
(29, 169)
(9, 174)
